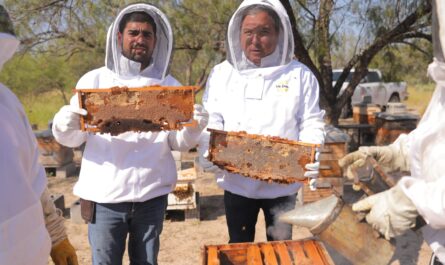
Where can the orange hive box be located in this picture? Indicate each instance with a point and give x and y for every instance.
(266, 158)
(301, 252)
(120, 109)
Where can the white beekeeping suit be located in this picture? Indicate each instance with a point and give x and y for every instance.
(23, 235)
(278, 98)
(422, 152)
(129, 157)
(426, 186)
(27, 212)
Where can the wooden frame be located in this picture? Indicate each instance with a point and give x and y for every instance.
(290, 252)
(271, 158)
(132, 109)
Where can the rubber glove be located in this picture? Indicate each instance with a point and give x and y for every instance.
(201, 116)
(312, 171)
(64, 253)
(391, 212)
(68, 118)
(389, 157)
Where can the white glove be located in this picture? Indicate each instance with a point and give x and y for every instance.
(391, 212)
(389, 157)
(201, 116)
(68, 118)
(208, 166)
(312, 171)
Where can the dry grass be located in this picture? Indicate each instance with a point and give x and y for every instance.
(419, 96)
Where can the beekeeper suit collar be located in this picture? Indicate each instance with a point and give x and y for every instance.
(282, 54)
(8, 42)
(160, 61)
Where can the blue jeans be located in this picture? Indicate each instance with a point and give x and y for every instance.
(242, 215)
(142, 221)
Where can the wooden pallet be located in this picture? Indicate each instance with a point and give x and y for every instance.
(301, 252)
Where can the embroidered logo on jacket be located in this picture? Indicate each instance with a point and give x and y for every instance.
(282, 86)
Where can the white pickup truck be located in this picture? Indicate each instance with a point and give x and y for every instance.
(372, 89)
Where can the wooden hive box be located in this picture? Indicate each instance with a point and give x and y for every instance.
(121, 109)
(271, 159)
(302, 252)
(364, 113)
(390, 126)
(330, 180)
(51, 153)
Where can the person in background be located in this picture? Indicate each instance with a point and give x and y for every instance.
(31, 228)
(394, 211)
(260, 89)
(125, 179)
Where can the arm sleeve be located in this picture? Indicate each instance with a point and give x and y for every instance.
(54, 220)
(216, 120)
(71, 138)
(183, 140)
(310, 117)
(428, 197)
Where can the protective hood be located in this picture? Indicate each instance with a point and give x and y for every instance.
(283, 53)
(430, 133)
(8, 41)
(159, 65)
(439, 30)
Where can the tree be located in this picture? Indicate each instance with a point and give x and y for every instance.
(200, 32)
(379, 25)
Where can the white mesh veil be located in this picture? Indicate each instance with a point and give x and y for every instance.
(282, 55)
(159, 66)
(429, 137)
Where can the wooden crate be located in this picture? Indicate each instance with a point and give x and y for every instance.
(301, 252)
(266, 158)
(330, 180)
(329, 156)
(120, 109)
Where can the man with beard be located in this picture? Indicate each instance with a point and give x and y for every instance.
(125, 179)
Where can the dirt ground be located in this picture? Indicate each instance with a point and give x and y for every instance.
(182, 240)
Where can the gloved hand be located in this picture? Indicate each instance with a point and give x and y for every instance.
(391, 212)
(68, 118)
(312, 171)
(201, 116)
(64, 253)
(208, 166)
(389, 157)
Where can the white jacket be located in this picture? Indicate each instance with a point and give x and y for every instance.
(426, 148)
(130, 167)
(278, 99)
(23, 236)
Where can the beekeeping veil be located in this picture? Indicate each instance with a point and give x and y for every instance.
(428, 140)
(8, 41)
(283, 52)
(159, 65)
(430, 132)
